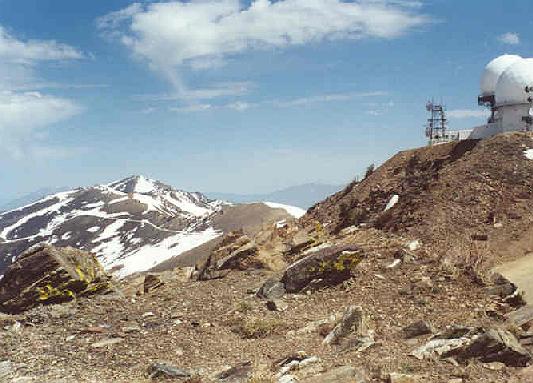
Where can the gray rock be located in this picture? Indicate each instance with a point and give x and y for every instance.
(342, 374)
(495, 345)
(271, 289)
(451, 339)
(416, 329)
(351, 323)
(523, 317)
(167, 370)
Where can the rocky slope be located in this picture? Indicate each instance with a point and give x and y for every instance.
(325, 299)
(452, 196)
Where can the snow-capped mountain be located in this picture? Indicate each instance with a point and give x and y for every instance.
(131, 225)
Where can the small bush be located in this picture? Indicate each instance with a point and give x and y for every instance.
(254, 328)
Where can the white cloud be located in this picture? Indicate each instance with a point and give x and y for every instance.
(511, 38)
(18, 51)
(192, 108)
(24, 117)
(25, 114)
(241, 106)
(201, 33)
(468, 113)
(223, 89)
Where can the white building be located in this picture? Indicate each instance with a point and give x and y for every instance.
(507, 90)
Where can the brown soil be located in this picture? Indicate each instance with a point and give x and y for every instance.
(452, 195)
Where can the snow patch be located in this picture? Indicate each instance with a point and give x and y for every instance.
(296, 212)
(151, 255)
(393, 201)
(93, 229)
(144, 185)
(529, 154)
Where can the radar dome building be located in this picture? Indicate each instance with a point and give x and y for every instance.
(506, 88)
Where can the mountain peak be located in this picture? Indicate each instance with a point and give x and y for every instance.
(138, 184)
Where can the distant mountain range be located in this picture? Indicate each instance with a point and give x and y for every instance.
(303, 196)
(131, 225)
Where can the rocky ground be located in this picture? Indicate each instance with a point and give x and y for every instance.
(331, 298)
(206, 327)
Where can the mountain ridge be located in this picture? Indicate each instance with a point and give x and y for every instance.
(303, 196)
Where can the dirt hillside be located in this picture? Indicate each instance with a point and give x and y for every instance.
(449, 195)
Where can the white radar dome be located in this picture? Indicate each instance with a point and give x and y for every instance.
(493, 70)
(511, 86)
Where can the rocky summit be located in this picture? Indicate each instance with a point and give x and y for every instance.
(402, 277)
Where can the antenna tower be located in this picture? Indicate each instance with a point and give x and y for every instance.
(437, 123)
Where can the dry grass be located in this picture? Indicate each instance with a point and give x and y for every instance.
(255, 328)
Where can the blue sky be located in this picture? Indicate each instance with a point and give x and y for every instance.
(217, 95)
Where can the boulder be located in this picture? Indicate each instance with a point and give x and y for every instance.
(326, 267)
(492, 345)
(47, 274)
(235, 252)
(495, 345)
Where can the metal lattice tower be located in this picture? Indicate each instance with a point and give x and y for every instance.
(437, 123)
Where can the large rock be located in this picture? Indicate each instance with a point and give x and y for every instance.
(523, 317)
(235, 252)
(493, 345)
(47, 274)
(326, 267)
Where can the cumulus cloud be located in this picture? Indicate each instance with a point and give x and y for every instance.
(468, 113)
(200, 34)
(25, 114)
(24, 117)
(510, 38)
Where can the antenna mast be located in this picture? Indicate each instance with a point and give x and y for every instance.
(437, 123)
